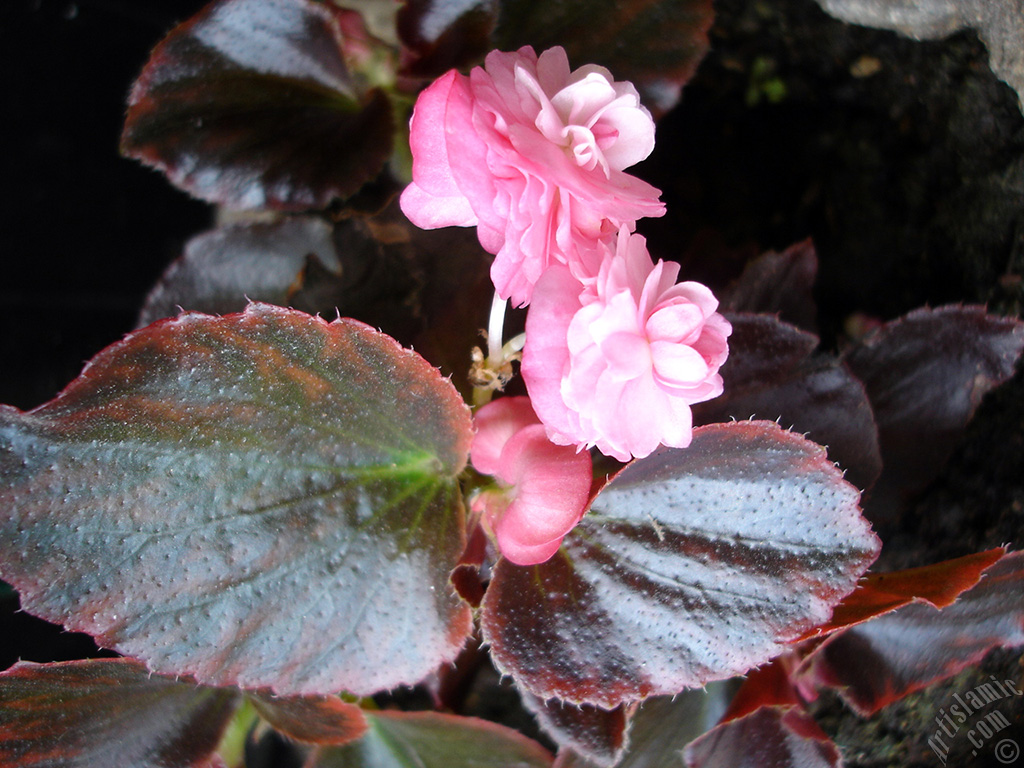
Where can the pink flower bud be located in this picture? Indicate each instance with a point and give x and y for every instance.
(544, 488)
(533, 155)
(617, 360)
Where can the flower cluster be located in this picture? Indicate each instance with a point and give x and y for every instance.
(533, 156)
(616, 350)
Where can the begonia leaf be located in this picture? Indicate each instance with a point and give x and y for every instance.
(311, 719)
(661, 727)
(108, 712)
(778, 283)
(925, 374)
(773, 373)
(766, 724)
(938, 585)
(782, 737)
(656, 45)
(263, 499)
(223, 269)
(302, 262)
(878, 662)
(251, 104)
(599, 735)
(441, 34)
(692, 565)
(433, 740)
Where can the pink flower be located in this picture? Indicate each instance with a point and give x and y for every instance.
(533, 155)
(617, 361)
(544, 487)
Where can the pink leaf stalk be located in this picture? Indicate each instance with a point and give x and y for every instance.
(544, 487)
(532, 154)
(616, 361)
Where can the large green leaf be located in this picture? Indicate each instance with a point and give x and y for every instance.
(692, 565)
(109, 712)
(263, 499)
(254, 104)
(433, 740)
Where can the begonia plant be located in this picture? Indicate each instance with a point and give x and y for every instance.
(631, 491)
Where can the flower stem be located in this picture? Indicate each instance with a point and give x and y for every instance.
(495, 329)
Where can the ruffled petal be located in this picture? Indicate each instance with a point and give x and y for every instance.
(495, 424)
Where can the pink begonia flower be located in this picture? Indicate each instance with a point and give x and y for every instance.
(615, 362)
(544, 487)
(533, 156)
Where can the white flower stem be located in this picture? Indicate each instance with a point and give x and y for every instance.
(495, 329)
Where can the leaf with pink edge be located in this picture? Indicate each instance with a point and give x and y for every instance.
(262, 499)
(109, 712)
(692, 565)
(254, 104)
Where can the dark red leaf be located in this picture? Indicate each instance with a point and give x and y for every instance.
(781, 737)
(223, 269)
(767, 686)
(108, 712)
(433, 740)
(938, 585)
(656, 44)
(925, 375)
(598, 735)
(303, 262)
(662, 726)
(878, 662)
(692, 565)
(778, 283)
(766, 724)
(772, 373)
(323, 720)
(441, 34)
(262, 499)
(251, 104)
(469, 577)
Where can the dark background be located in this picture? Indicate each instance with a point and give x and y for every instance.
(84, 231)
